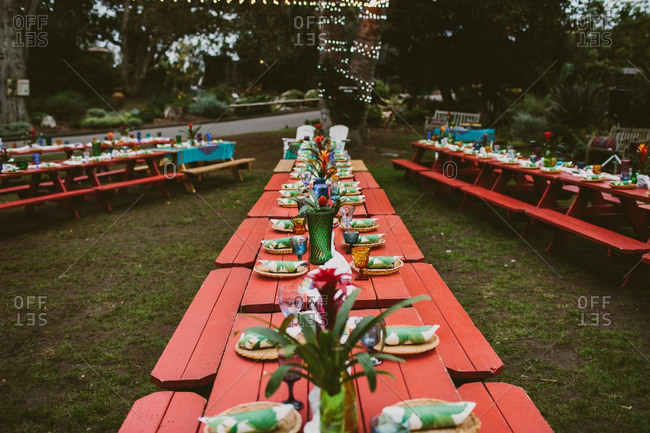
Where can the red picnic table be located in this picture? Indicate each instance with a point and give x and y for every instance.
(81, 179)
(365, 179)
(243, 246)
(501, 407)
(69, 149)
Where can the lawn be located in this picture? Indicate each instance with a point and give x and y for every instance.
(107, 291)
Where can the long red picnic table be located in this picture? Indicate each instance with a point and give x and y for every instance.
(201, 351)
(82, 179)
(595, 210)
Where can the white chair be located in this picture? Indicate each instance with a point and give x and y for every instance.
(339, 134)
(302, 132)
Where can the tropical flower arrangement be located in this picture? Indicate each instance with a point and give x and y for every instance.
(190, 131)
(322, 165)
(643, 158)
(314, 202)
(328, 354)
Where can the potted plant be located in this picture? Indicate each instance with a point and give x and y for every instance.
(190, 132)
(320, 220)
(322, 167)
(326, 361)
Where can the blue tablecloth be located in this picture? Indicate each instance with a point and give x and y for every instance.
(211, 152)
(468, 135)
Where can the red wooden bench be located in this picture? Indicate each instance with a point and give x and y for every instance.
(512, 205)
(61, 197)
(242, 248)
(193, 354)
(165, 411)
(131, 182)
(463, 348)
(410, 167)
(366, 180)
(444, 181)
(504, 408)
(569, 225)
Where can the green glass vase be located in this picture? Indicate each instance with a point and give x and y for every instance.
(338, 413)
(320, 222)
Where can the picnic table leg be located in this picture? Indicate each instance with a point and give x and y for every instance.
(128, 173)
(153, 168)
(419, 153)
(484, 176)
(65, 203)
(187, 182)
(33, 189)
(550, 195)
(94, 181)
(575, 210)
(638, 218)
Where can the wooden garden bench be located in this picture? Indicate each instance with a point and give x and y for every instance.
(457, 118)
(284, 166)
(463, 349)
(165, 411)
(235, 166)
(192, 356)
(504, 408)
(569, 225)
(512, 205)
(59, 196)
(618, 140)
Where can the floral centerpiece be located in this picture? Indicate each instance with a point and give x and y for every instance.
(330, 353)
(643, 159)
(190, 132)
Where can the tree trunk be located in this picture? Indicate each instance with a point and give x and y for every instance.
(365, 52)
(331, 36)
(13, 56)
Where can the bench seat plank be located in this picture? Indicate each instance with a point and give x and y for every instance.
(377, 202)
(504, 408)
(501, 200)
(45, 198)
(165, 411)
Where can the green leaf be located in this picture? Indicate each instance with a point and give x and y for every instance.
(365, 360)
(344, 312)
(276, 380)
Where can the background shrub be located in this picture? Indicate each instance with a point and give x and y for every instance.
(208, 106)
(15, 129)
(249, 111)
(68, 105)
(527, 127)
(111, 121)
(96, 112)
(374, 116)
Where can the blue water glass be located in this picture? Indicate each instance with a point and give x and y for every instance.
(299, 245)
(148, 135)
(428, 135)
(37, 158)
(138, 136)
(350, 237)
(208, 136)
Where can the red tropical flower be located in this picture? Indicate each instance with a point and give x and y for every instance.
(322, 201)
(326, 280)
(190, 125)
(319, 126)
(548, 135)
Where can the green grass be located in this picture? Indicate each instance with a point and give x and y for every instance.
(111, 314)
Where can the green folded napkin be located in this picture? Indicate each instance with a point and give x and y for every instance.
(431, 416)
(349, 191)
(349, 184)
(283, 224)
(285, 200)
(369, 239)
(254, 341)
(277, 244)
(400, 335)
(363, 222)
(261, 420)
(382, 262)
(281, 266)
(292, 185)
(289, 193)
(351, 198)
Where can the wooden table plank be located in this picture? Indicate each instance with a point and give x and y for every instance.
(243, 246)
(284, 166)
(377, 202)
(165, 411)
(358, 165)
(267, 207)
(365, 179)
(191, 358)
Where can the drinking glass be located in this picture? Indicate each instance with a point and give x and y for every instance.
(347, 212)
(37, 159)
(370, 340)
(291, 377)
(361, 256)
(299, 245)
(299, 225)
(385, 424)
(290, 299)
(305, 177)
(350, 237)
(86, 156)
(511, 152)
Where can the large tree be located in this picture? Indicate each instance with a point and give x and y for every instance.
(15, 39)
(145, 32)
